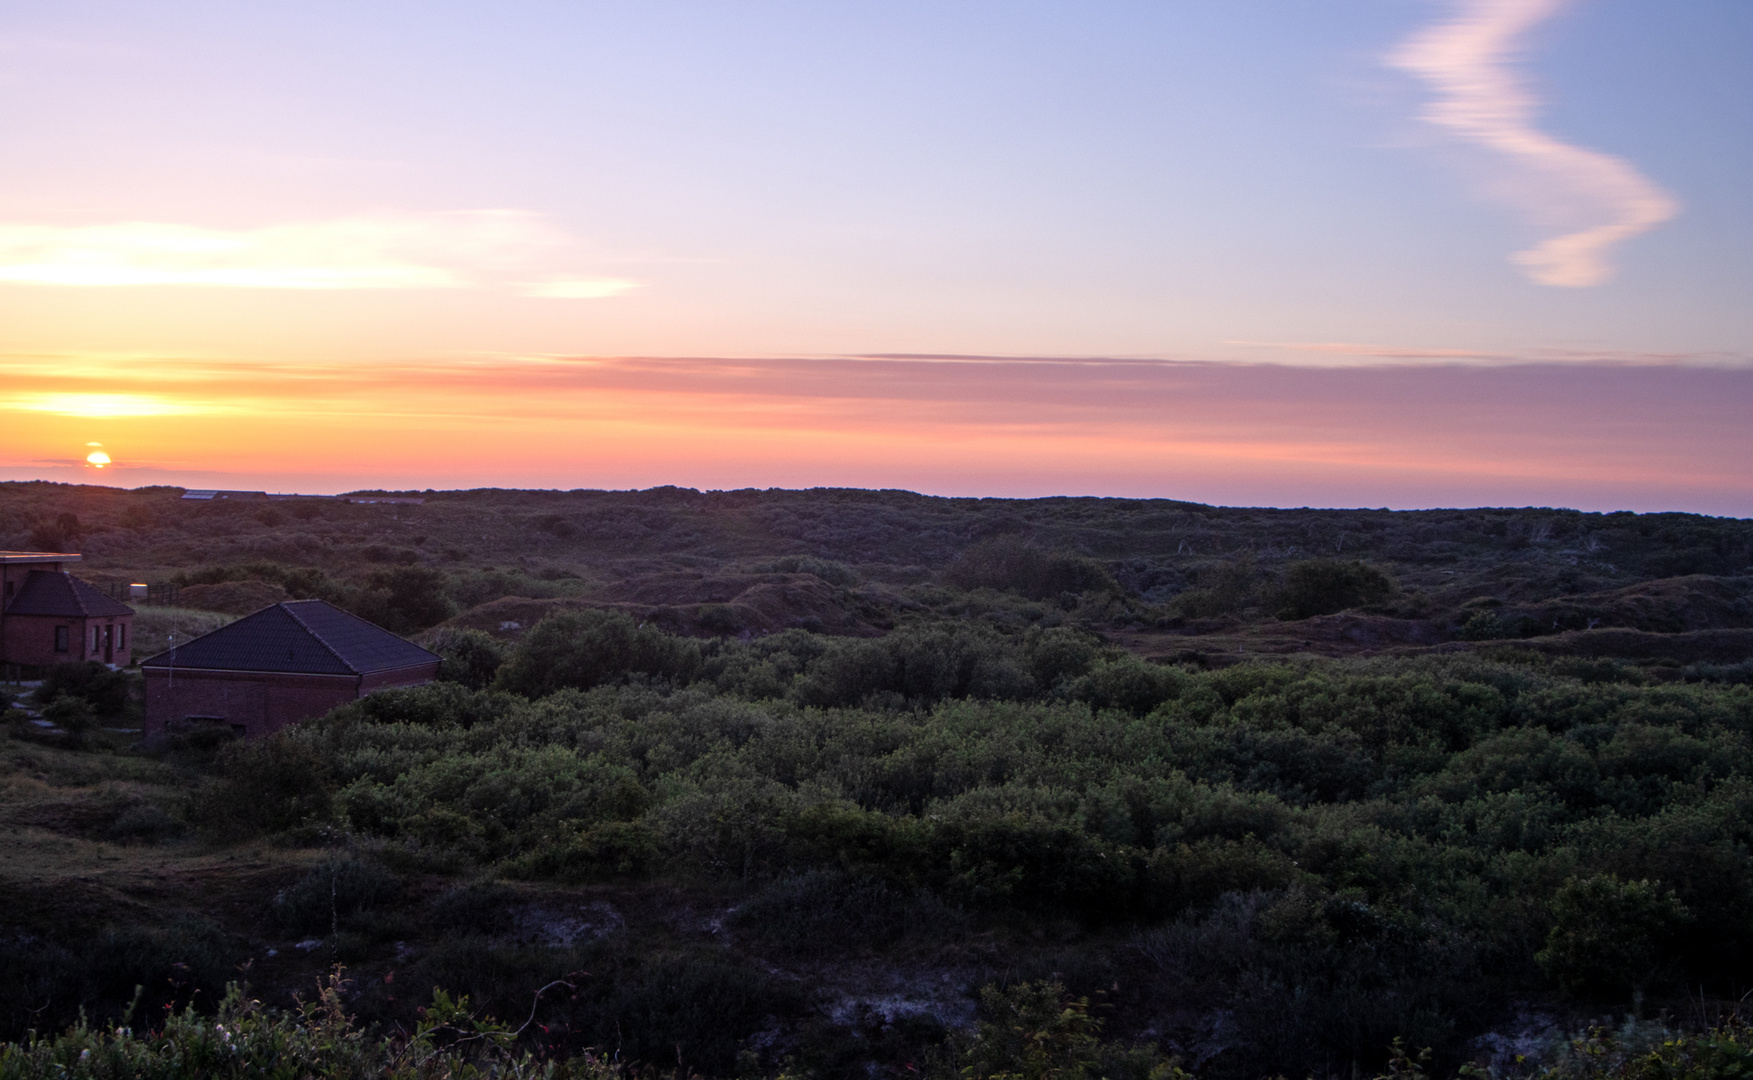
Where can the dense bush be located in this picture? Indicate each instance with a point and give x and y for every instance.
(1325, 586)
(1038, 1031)
(1611, 937)
(403, 600)
(332, 892)
(320, 1040)
(1331, 854)
(99, 972)
(1406, 829)
(471, 657)
(582, 649)
(1221, 588)
(270, 785)
(1011, 564)
(110, 694)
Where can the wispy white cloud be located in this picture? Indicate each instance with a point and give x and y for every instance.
(380, 251)
(1468, 60)
(102, 406)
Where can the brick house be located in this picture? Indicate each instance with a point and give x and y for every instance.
(48, 616)
(282, 664)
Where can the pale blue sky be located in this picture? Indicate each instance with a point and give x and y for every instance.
(1018, 177)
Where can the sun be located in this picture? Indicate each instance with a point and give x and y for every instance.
(97, 458)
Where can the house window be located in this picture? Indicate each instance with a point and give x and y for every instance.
(61, 639)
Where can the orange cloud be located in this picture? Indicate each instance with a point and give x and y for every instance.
(1604, 436)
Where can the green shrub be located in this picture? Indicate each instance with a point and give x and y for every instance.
(471, 657)
(917, 665)
(245, 1039)
(189, 957)
(1610, 937)
(1224, 588)
(73, 715)
(403, 600)
(1058, 654)
(143, 823)
(1484, 626)
(1037, 1031)
(110, 694)
(332, 893)
(1130, 684)
(601, 852)
(268, 785)
(1011, 564)
(476, 907)
(582, 649)
(1325, 586)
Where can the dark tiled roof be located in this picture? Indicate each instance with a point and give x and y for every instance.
(307, 637)
(58, 593)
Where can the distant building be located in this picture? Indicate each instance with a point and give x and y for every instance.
(285, 663)
(212, 495)
(48, 616)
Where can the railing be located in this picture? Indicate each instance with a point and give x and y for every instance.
(163, 594)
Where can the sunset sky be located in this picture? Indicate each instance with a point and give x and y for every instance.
(1346, 253)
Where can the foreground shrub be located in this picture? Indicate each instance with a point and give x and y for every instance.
(109, 694)
(1037, 1031)
(245, 1039)
(1610, 937)
(269, 785)
(332, 892)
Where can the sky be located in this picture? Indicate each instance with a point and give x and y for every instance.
(1338, 253)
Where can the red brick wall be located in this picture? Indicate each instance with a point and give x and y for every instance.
(30, 640)
(413, 676)
(262, 703)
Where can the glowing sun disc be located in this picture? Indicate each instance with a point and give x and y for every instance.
(98, 458)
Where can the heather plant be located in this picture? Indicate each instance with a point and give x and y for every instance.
(319, 1039)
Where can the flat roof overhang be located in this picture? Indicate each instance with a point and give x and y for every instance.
(25, 557)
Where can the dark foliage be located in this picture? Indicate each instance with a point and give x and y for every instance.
(812, 849)
(271, 785)
(1325, 586)
(109, 695)
(1010, 564)
(582, 649)
(332, 893)
(471, 658)
(403, 600)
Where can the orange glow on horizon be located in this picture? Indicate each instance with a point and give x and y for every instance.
(1554, 435)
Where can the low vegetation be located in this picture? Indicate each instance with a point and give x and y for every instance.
(829, 784)
(1317, 856)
